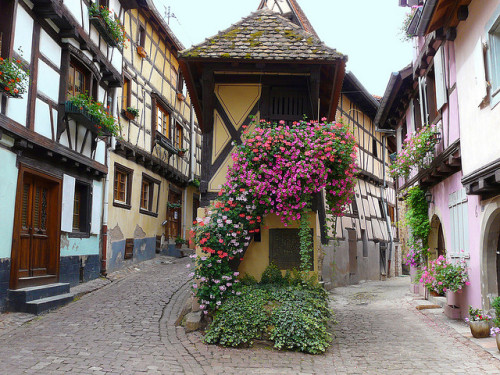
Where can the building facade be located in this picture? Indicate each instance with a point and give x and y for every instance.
(53, 157)
(152, 193)
(451, 83)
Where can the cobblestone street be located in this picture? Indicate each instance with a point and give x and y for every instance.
(127, 327)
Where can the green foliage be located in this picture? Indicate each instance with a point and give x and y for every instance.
(417, 214)
(295, 318)
(248, 279)
(240, 320)
(496, 305)
(306, 243)
(272, 275)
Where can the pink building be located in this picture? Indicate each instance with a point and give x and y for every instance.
(453, 82)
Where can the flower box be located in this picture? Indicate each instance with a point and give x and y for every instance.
(129, 115)
(103, 30)
(141, 52)
(165, 143)
(81, 116)
(3, 90)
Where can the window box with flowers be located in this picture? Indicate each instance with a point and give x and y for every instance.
(108, 26)
(13, 78)
(417, 151)
(91, 114)
(131, 113)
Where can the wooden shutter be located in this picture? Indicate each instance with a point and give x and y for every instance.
(459, 220)
(480, 73)
(440, 77)
(95, 223)
(68, 201)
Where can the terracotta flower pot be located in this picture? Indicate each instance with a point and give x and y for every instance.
(129, 115)
(480, 328)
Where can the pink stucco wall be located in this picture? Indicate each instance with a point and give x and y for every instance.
(440, 207)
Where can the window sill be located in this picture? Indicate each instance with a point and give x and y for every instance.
(122, 205)
(78, 235)
(149, 213)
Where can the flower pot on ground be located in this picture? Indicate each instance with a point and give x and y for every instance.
(495, 331)
(480, 329)
(479, 323)
(179, 241)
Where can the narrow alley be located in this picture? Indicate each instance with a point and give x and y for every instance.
(128, 327)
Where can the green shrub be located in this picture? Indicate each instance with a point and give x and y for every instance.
(248, 279)
(272, 275)
(496, 305)
(240, 319)
(294, 317)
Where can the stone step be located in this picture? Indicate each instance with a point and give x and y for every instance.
(187, 252)
(45, 304)
(36, 292)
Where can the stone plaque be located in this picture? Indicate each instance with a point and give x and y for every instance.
(284, 248)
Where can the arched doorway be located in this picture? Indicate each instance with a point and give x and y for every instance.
(490, 258)
(437, 243)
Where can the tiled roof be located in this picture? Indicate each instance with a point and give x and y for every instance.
(264, 35)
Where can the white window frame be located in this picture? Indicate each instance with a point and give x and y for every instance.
(493, 56)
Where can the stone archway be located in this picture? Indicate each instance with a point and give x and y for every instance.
(437, 244)
(490, 255)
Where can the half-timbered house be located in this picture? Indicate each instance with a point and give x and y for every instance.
(152, 193)
(273, 66)
(53, 156)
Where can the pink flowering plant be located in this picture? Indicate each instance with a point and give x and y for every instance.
(416, 255)
(442, 276)
(278, 169)
(417, 151)
(477, 315)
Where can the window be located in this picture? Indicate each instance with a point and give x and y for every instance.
(178, 135)
(81, 208)
(180, 83)
(163, 121)
(374, 147)
(126, 93)
(77, 81)
(122, 186)
(6, 26)
(150, 188)
(141, 38)
(459, 220)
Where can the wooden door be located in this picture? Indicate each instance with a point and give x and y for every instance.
(35, 248)
(174, 209)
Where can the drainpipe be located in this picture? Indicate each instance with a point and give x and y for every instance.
(382, 195)
(192, 159)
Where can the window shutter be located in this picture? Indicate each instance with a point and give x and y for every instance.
(480, 73)
(68, 198)
(439, 72)
(95, 224)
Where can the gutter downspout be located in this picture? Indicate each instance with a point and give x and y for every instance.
(382, 196)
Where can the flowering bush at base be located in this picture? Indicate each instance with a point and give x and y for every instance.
(415, 256)
(442, 276)
(276, 169)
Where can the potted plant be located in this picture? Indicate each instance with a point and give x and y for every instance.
(108, 25)
(495, 331)
(181, 152)
(179, 241)
(131, 113)
(479, 323)
(13, 78)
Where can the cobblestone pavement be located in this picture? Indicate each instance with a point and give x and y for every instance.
(128, 327)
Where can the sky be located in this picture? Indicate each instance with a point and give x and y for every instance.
(368, 31)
